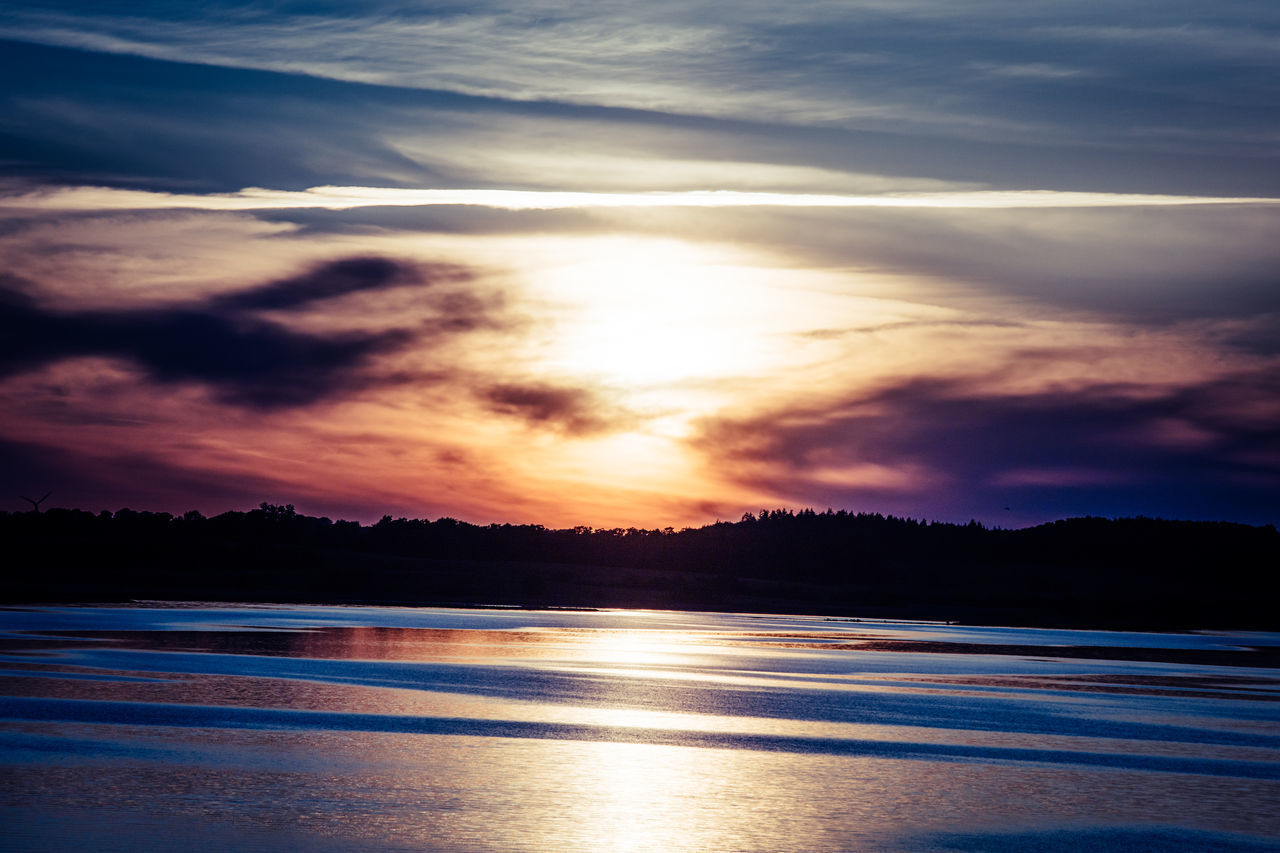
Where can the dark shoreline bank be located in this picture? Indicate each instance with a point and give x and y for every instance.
(1127, 574)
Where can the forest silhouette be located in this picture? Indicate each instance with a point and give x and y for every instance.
(1089, 572)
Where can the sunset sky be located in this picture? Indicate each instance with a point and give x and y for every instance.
(642, 264)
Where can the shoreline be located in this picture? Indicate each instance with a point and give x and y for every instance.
(1133, 627)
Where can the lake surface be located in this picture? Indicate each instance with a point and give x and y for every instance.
(237, 727)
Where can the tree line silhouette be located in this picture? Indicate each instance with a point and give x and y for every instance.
(1132, 572)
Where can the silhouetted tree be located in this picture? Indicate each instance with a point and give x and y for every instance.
(35, 502)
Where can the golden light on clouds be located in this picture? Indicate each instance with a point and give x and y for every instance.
(726, 267)
(347, 198)
(572, 378)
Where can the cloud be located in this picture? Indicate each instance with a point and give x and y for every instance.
(1151, 260)
(1208, 450)
(344, 198)
(887, 66)
(433, 219)
(925, 187)
(79, 117)
(334, 279)
(1153, 265)
(136, 122)
(574, 410)
(249, 361)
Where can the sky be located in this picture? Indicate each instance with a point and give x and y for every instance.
(642, 264)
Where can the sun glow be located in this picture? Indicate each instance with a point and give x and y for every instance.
(649, 313)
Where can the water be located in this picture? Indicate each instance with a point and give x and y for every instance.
(205, 727)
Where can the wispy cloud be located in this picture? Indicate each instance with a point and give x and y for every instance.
(346, 198)
(891, 66)
(94, 118)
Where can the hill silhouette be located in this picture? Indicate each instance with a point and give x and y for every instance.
(1129, 573)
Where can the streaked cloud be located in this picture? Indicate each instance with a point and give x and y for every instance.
(94, 118)
(345, 198)
(891, 66)
(219, 342)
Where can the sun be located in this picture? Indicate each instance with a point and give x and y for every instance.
(646, 313)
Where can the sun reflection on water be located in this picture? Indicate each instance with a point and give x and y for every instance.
(631, 648)
(593, 738)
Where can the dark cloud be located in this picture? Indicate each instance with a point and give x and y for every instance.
(247, 360)
(1206, 451)
(464, 311)
(574, 410)
(339, 278)
(1260, 336)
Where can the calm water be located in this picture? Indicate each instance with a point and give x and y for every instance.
(213, 728)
